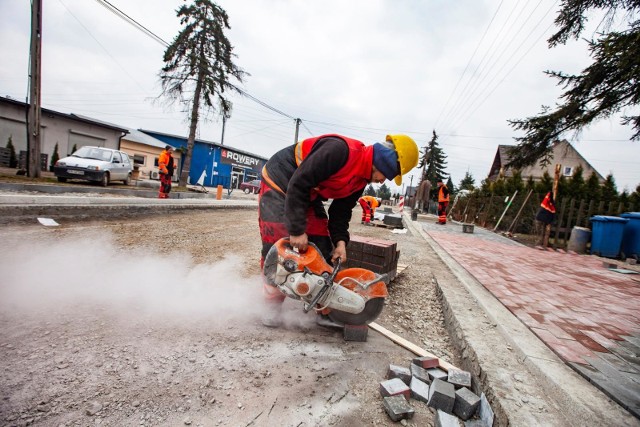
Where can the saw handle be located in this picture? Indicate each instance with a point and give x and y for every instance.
(327, 284)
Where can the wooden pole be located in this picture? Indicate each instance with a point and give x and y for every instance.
(520, 211)
(33, 120)
(505, 210)
(547, 229)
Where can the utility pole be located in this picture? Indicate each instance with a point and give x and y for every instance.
(224, 122)
(413, 199)
(295, 139)
(33, 117)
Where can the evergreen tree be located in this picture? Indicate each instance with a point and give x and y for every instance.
(451, 187)
(54, 157)
(607, 86)
(13, 160)
(531, 184)
(592, 188)
(467, 182)
(514, 183)
(634, 200)
(576, 185)
(545, 184)
(370, 191)
(198, 66)
(436, 162)
(609, 189)
(384, 192)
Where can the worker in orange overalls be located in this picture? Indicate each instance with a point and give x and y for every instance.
(443, 202)
(369, 205)
(165, 168)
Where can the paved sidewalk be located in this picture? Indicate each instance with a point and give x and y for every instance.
(587, 314)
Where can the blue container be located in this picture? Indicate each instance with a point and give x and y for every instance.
(606, 235)
(631, 235)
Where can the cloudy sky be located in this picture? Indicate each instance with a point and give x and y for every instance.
(362, 68)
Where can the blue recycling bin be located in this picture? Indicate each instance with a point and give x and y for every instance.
(631, 235)
(606, 235)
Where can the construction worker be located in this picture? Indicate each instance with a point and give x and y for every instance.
(297, 179)
(165, 169)
(369, 205)
(546, 213)
(443, 202)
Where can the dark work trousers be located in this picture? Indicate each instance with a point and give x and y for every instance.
(165, 183)
(442, 212)
(272, 228)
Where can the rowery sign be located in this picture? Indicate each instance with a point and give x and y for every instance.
(238, 159)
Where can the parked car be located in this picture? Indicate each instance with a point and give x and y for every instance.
(251, 186)
(98, 164)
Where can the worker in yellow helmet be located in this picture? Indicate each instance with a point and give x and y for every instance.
(297, 179)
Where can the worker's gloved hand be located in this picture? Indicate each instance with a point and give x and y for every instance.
(340, 251)
(299, 242)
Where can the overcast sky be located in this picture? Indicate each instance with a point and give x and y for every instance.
(362, 68)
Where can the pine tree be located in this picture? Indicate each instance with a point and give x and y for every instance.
(384, 192)
(575, 187)
(467, 182)
(370, 191)
(609, 189)
(435, 162)
(451, 186)
(54, 157)
(198, 66)
(592, 188)
(13, 161)
(607, 86)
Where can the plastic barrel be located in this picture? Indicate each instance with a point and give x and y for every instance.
(631, 235)
(606, 235)
(580, 236)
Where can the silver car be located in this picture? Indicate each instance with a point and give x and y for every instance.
(98, 164)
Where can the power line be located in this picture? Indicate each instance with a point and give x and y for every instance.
(110, 7)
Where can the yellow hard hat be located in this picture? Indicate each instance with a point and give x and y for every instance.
(407, 151)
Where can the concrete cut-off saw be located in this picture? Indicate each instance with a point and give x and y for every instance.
(352, 296)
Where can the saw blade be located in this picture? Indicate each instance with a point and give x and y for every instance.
(371, 311)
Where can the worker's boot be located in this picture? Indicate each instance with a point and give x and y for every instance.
(160, 195)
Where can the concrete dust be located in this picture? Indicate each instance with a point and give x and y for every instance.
(90, 269)
(156, 322)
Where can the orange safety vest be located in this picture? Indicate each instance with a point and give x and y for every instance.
(163, 161)
(352, 177)
(373, 202)
(548, 203)
(441, 196)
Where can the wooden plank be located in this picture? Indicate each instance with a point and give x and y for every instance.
(409, 345)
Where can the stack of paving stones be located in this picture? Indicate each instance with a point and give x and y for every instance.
(378, 255)
(393, 220)
(447, 393)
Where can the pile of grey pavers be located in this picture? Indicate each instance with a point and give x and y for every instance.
(447, 392)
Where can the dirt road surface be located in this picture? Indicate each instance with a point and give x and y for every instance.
(156, 322)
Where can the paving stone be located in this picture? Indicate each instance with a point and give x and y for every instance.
(486, 413)
(426, 362)
(355, 332)
(398, 408)
(420, 373)
(446, 420)
(395, 387)
(466, 403)
(459, 378)
(442, 395)
(437, 373)
(419, 390)
(399, 372)
(475, 423)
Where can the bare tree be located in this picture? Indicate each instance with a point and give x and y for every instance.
(198, 67)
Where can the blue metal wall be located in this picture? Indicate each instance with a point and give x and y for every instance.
(207, 157)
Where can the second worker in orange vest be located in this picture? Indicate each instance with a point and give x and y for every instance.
(443, 202)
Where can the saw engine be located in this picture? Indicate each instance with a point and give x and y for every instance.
(353, 296)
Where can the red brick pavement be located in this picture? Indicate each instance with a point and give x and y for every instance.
(571, 302)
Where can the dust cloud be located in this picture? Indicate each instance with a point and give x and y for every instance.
(44, 274)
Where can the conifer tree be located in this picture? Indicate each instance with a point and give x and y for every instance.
(198, 67)
(467, 183)
(435, 162)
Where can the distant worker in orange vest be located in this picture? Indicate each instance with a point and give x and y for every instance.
(546, 214)
(165, 168)
(443, 202)
(369, 205)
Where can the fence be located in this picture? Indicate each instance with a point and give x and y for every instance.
(520, 217)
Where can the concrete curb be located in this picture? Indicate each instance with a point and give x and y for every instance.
(560, 396)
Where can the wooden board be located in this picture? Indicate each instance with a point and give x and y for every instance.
(401, 268)
(409, 345)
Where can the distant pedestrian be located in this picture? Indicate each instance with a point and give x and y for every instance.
(546, 214)
(443, 202)
(165, 168)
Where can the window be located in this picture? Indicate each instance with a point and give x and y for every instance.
(139, 159)
(567, 171)
(116, 157)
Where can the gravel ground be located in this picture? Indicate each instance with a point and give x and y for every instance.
(155, 322)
